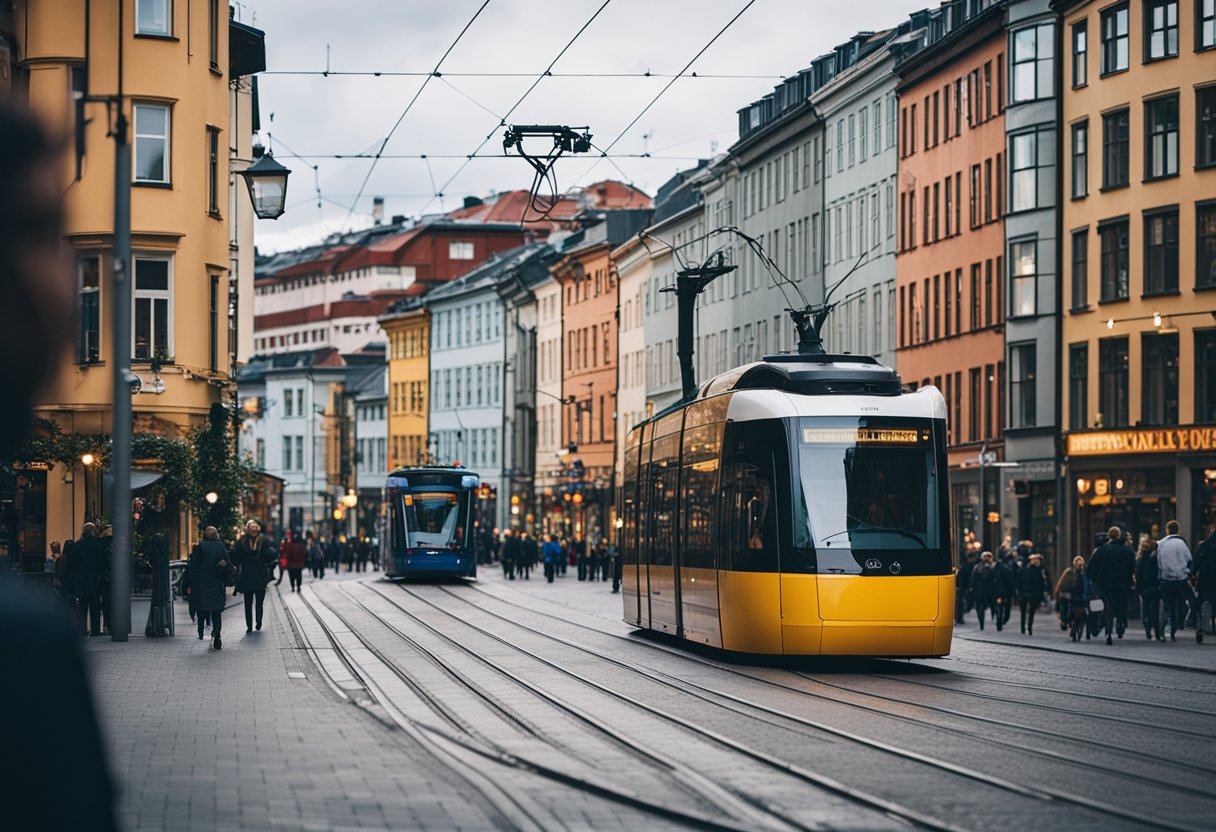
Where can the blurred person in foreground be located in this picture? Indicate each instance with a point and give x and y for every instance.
(39, 648)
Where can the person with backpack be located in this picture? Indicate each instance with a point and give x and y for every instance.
(983, 587)
(1111, 568)
(1032, 586)
(1174, 568)
(207, 570)
(1148, 586)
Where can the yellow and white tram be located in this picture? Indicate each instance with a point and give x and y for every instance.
(796, 505)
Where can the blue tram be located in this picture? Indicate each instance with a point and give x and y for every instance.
(430, 517)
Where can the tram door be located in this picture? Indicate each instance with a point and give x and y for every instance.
(630, 495)
(662, 518)
(697, 565)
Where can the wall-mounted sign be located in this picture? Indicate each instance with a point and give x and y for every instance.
(1142, 441)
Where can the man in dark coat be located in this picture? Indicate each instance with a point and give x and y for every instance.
(982, 586)
(84, 571)
(1004, 583)
(208, 566)
(1032, 586)
(363, 553)
(255, 557)
(1204, 567)
(1110, 568)
(333, 552)
(53, 769)
(528, 555)
(962, 586)
(511, 552)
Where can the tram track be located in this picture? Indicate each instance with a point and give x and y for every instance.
(1041, 793)
(683, 776)
(1076, 677)
(870, 801)
(1139, 778)
(496, 754)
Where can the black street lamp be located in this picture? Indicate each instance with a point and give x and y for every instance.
(267, 181)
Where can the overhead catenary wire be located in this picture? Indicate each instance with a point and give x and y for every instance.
(614, 75)
(409, 106)
(502, 120)
(666, 87)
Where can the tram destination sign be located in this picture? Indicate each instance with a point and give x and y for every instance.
(1142, 441)
(863, 436)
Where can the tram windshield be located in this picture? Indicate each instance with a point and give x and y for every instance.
(435, 518)
(869, 487)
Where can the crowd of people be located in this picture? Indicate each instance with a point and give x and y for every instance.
(1095, 595)
(519, 553)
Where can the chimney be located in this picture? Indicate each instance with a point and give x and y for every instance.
(378, 210)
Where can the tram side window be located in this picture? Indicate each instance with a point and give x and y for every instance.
(664, 486)
(748, 515)
(700, 482)
(629, 551)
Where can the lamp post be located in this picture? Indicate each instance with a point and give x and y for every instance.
(212, 498)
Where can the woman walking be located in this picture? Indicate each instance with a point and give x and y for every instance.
(316, 557)
(297, 557)
(207, 566)
(1148, 584)
(1074, 592)
(254, 555)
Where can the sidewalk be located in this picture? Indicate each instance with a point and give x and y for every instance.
(1183, 654)
(251, 737)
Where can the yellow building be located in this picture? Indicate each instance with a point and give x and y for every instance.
(1138, 343)
(189, 111)
(408, 328)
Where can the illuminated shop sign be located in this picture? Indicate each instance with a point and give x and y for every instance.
(863, 436)
(1163, 440)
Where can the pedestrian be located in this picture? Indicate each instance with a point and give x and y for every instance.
(1174, 568)
(578, 556)
(983, 587)
(348, 554)
(527, 556)
(614, 561)
(1032, 586)
(962, 584)
(284, 545)
(316, 557)
(256, 559)
(511, 554)
(601, 559)
(1004, 584)
(1148, 585)
(1111, 568)
(553, 555)
(208, 567)
(363, 553)
(296, 558)
(567, 558)
(52, 560)
(85, 579)
(61, 573)
(1205, 583)
(333, 553)
(1073, 591)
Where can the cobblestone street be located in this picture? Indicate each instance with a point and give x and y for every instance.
(521, 704)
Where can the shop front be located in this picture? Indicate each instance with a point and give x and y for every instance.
(1139, 479)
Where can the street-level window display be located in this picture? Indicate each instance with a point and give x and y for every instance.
(153, 299)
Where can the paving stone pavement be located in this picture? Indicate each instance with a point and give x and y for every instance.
(227, 740)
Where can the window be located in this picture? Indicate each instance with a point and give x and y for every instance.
(975, 196)
(1205, 376)
(973, 404)
(154, 17)
(877, 107)
(150, 323)
(1205, 126)
(286, 453)
(839, 146)
(852, 139)
(214, 322)
(1161, 144)
(213, 171)
(1080, 160)
(1080, 54)
(1159, 378)
(1114, 260)
(863, 132)
(1112, 382)
(460, 251)
(1205, 245)
(1080, 269)
(1032, 160)
(1022, 259)
(1115, 149)
(1078, 386)
(1032, 62)
(88, 346)
(1160, 29)
(1205, 24)
(976, 299)
(299, 453)
(1021, 385)
(151, 163)
(1114, 39)
(213, 8)
(892, 109)
(1161, 252)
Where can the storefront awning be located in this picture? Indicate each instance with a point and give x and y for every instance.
(142, 479)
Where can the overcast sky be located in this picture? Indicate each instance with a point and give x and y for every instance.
(315, 115)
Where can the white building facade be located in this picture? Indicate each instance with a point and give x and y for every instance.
(548, 294)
